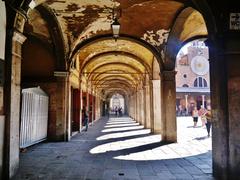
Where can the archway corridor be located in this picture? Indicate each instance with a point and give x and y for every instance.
(63, 62)
(120, 148)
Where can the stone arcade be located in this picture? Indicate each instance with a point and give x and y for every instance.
(66, 47)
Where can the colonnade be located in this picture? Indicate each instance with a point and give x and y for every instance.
(146, 106)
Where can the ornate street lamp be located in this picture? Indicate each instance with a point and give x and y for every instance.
(115, 28)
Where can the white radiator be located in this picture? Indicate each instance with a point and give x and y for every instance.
(34, 116)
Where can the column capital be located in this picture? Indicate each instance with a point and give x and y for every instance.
(19, 37)
(61, 73)
(168, 75)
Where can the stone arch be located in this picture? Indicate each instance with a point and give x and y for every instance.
(185, 28)
(124, 37)
(56, 35)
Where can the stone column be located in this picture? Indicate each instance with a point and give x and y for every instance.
(147, 106)
(157, 106)
(225, 91)
(12, 106)
(129, 106)
(133, 106)
(203, 101)
(219, 105)
(81, 107)
(142, 109)
(92, 94)
(151, 106)
(186, 103)
(63, 95)
(137, 106)
(168, 96)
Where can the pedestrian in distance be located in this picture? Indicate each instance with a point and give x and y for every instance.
(202, 113)
(208, 120)
(195, 116)
(85, 116)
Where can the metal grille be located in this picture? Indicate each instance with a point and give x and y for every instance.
(34, 116)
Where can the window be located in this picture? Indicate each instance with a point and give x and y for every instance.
(185, 85)
(200, 82)
(185, 76)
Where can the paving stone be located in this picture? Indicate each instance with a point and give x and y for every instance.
(192, 170)
(149, 177)
(131, 157)
(166, 175)
(184, 176)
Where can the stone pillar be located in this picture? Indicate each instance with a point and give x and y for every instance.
(142, 109)
(186, 103)
(219, 106)
(12, 106)
(132, 106)
(157, 106)
(137, 106)
(151, 106)
(63, 121)
(81, 107)
(92, 108)
(168, 96)
(147, 106)
(203, 101)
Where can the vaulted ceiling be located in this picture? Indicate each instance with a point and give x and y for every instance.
(122, 65)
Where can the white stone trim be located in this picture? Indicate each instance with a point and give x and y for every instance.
(61, 73)
(19, 37)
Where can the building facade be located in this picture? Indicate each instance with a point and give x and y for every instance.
(192, 78)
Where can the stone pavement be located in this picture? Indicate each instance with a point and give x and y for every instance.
(119, 148)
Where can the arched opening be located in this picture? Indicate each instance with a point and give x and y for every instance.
(117, 105)
(192, 78)
(193, 93)
(187, 52)
(101, 67)
(41, 59)
(124, 66)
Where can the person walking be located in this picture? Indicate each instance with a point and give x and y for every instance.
(195, 116)
(202, 114)
(208, 120)
(85, 116)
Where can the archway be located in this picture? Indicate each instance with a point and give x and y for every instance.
(134, 83)
(124, 66)
(117, 105)
(192, 90)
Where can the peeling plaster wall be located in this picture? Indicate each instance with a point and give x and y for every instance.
(82, 19)
(36, 24)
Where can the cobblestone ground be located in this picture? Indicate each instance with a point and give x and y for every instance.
(119, 148)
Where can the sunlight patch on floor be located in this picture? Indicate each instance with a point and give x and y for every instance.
(126, 144)
(121, 122)
(124, 134)
(121, 125)
(122, 129)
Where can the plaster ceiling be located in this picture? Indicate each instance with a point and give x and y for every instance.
(115, 65)
(110, 64)
(194, 25)
(82, 19)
